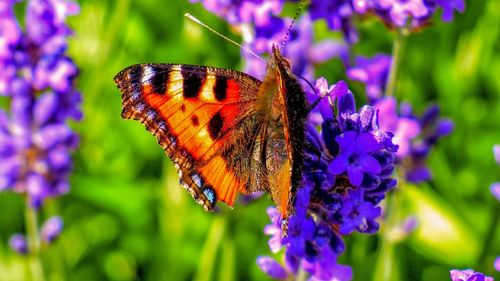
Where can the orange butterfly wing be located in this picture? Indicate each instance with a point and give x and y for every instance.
(195, 112)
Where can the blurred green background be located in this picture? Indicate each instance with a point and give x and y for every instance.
(126, 218)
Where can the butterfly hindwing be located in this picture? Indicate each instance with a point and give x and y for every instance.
(196, 113)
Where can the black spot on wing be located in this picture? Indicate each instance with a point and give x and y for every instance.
(159, 80)
(134, 73)
(195, 121)
(215, 126)
(193, 78)
(220, 88)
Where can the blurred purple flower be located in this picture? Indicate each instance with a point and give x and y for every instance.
(337, 14)
(358, 214)
(405, 129)
(496, 264)
(51, 229)
(17, 242)
(468, 275)
(449, 7)
(415, 136)
(35, 139)
(408, 13)
(272, 268)
(300, 49)
(373, 72)
(495, 190)
(260, 12)
(348, 166)
(495, 187)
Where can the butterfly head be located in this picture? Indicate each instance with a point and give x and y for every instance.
(278, 59)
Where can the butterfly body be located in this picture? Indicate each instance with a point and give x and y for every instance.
(225, 131)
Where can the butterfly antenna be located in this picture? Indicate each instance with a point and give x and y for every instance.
(197, 21)
(299, 10)
(315, 102)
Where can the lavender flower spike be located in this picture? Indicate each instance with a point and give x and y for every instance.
(348, 166)
(35, 140)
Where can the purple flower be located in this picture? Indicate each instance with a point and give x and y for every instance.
(496, 153)
(337, 14)
(348, 166)
(300, 49)
(326, 268)
(354, 157)
(51, 229)
(357, 214)
(495, 190)
(35, 139)
(495, 187)
(400, 10)
(274, 229)
(244, 11)
(272, 268)
(408, 13)
(496, 264)
(373, 72)
(415, 136)
(17, 242)
(468, 275)
(449, 7)
(405, 129)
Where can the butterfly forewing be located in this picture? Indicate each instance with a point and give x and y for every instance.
(198, 114)
(225, 131)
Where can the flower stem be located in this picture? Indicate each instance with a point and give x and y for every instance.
(386, 266)
(490, 236)
(211, 248)
(35, 263)
(397, 52)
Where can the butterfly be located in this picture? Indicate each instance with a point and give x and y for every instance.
(225, 131)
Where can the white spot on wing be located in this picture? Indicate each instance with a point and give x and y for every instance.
(147, 74)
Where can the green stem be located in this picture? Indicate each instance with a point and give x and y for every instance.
(35, 264)
(397, 52)
(210, 249)
(490, 236)
(301, 275)
(386, 268)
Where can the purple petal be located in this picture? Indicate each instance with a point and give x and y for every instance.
(45, 107)
(496, 153)
(59, 158)
(4, 121)
(367, 143)
(369, 164)
(495, 190)
(326, 49)
(271, 267)
(367, 115)
(18, 243)
(444, 127)
(496, 264)
(345, 101)
(418, 175)
(51, 229)
(37, 188)
(50, 135)
(346, 140)
(355, 175)
(338, 165)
